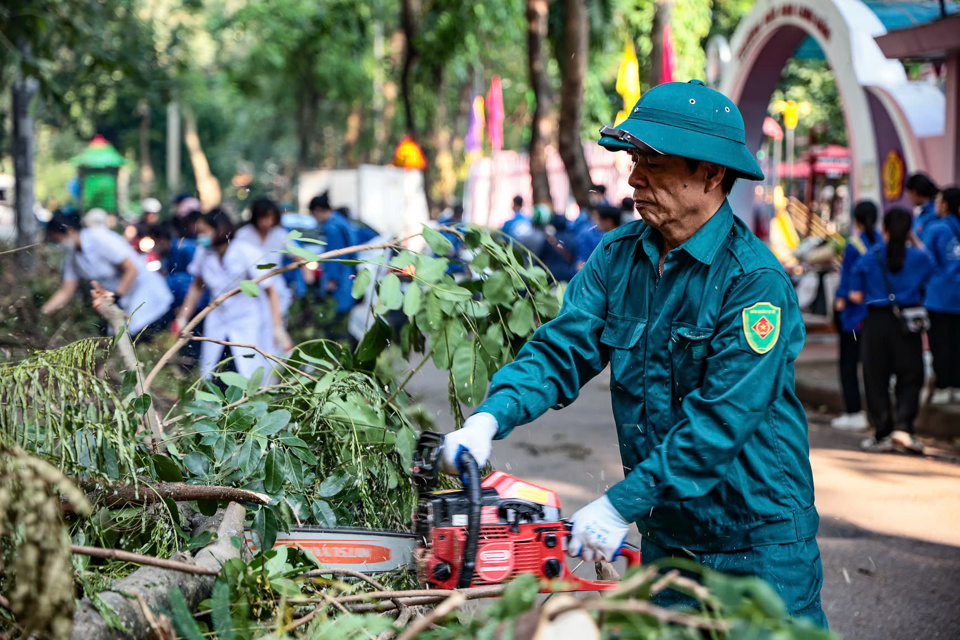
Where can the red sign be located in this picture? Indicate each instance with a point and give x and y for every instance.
(495, 561)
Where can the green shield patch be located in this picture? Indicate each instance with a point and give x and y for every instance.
(761, 326)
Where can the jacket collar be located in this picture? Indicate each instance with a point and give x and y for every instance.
(703, 245)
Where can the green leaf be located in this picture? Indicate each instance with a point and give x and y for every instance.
(446, 341)
(267, 266)
(323, 514)
(167, 469)
(285, 587)
(360, 283)
(481, 261)
(272, 422)
(294, 235)
(233, 394)
(119, 335)
(220, 611)
(253, 385)
(273, 471)
(233, 379)
(264, 529)
(469, 373)
(412, 300)
(197, 464)
(129, 382)
(448, 289)
(374, 342)
(438, 243)
(207, 507)
(389, 292)
(431, 270)
(406, 444)
(141, 404)
(434, 312)
(249, 456)
(250, 288)
(521, 318)
(181, 615)
(306, 455)
(403, 259)
(332, 485)
(498, 288)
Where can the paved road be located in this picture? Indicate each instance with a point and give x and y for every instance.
(890, 524)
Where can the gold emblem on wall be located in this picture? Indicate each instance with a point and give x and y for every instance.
(892, 172)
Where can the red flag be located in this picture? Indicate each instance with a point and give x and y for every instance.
(495, 114)
(668, 58)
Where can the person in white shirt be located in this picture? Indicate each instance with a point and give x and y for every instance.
(265, 234)
(219, 266)
(100, 255)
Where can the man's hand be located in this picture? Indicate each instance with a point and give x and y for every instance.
(598, 531)
(178, 324)
(100, 295)
(839, 304)
(476, 436)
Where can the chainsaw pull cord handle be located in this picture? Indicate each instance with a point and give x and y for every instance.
(470, 476)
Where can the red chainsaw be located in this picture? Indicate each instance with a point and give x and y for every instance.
(486, 533)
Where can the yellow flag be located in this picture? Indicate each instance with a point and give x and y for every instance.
(628, 80)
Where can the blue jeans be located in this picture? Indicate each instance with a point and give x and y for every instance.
(793, 570)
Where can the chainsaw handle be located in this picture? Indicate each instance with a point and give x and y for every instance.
(470, 476)
(572, 582)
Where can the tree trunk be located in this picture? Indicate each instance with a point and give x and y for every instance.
(146, 167)
(445, 175)
(22, 92)
(352, 135)
(661, 18)
(574, 71)
(208, 186)
(539, 126)
(307, 99)
(409, 12)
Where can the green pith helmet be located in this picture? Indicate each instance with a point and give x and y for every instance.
(686, 119)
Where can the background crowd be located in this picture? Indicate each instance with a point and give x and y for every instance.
(898, 305)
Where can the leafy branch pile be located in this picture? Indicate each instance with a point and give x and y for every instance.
(327, 440)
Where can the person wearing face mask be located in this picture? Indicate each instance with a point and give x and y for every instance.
(219, 266)
(103, 256)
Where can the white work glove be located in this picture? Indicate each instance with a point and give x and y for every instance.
(598, 531)
(476, 436)
(282, 339)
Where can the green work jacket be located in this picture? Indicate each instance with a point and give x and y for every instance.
(712, 437)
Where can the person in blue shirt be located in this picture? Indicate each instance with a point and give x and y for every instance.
(559, 250)
(850, 317)
(453, 217)
(336, 280)
(887, 278)
(701, 328)
(588, 236)
(943, 296)
(921, 192)
(520, 224)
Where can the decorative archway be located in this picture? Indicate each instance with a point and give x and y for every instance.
(870, 85)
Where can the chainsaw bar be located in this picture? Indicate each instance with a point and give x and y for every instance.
(364, 550)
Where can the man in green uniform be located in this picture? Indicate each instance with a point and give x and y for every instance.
(700, 326)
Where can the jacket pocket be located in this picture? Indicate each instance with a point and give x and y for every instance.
(688, 355)
(621, 336)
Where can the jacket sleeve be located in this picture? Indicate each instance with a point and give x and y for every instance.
(563, 355)
(850, 255)
(740, 388)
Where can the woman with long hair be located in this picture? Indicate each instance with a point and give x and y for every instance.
(888, 279)
(942, 301)
(219, 266)
(850, 316)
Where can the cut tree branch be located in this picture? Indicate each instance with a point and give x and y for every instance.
(268, 356)
(216, 302)
(120, 494)
(136, 558)
(422, 624)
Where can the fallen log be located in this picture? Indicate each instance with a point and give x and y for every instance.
(118, 495)
(151, 584)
